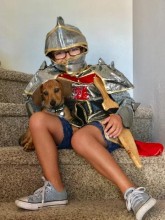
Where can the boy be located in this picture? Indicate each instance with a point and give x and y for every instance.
(66, 46)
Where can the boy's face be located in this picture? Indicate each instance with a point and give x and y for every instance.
(61, 57)
(70, 60)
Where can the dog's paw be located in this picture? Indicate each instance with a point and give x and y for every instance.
(21, 140)
(26, 141)
(28, 147)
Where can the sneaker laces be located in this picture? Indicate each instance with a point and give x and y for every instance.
(41, 191)
(134, 197)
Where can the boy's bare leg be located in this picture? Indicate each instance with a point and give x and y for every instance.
(92, 148)
(47, 133)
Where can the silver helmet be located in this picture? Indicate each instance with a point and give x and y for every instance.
(64, 37)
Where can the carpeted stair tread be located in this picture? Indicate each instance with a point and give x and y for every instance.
(13, 75)
(78, 210)
(16, 155)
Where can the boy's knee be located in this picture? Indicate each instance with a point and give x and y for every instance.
(76, 141)
(37, 120)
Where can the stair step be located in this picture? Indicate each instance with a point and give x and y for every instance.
(21, 175)
(142, 124)
(12, 85)
(77, 210)
(14, 121)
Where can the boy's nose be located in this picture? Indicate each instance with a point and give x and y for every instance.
(67, 55)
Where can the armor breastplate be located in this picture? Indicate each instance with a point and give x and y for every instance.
(82, 87)
(84, 93)
(83, 98)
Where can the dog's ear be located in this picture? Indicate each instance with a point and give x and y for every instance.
(62, 88)
(41, 87)
(41, 91)
(58, 82)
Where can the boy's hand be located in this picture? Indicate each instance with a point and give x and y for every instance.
(113, 125)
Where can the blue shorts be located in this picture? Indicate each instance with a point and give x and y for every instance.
(111, 146)
(68, 132)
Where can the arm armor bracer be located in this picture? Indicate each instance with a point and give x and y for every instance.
(127, 107)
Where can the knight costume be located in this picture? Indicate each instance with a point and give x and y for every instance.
(82, 96)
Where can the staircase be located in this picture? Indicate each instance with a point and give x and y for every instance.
(91, 196)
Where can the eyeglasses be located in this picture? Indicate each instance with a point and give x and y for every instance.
(72, 52)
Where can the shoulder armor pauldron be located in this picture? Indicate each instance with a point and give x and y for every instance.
(114, 81)
(44, 74)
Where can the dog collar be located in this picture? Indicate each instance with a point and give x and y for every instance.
(58, 110)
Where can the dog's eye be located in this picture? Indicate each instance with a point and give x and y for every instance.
(56, 90)
(45, 93)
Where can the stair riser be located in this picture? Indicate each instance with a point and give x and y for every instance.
(142, 129)
(11, 129)
(11, 91)
(12, 85)
(82, 182)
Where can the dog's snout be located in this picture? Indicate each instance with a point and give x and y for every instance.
(52, 102)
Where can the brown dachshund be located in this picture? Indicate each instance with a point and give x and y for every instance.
(53, 103)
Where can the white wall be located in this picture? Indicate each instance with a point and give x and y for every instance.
(149, 60)
(107, 24)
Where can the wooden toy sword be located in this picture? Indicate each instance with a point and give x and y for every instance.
(126, 139)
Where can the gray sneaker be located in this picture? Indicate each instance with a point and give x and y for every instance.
(44, 196)
(139, 201)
